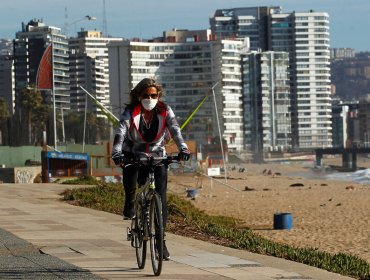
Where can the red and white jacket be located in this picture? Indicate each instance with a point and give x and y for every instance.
(128, 138)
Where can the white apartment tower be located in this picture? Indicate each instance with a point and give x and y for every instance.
(232, 92)
(188, 70)
(89, 68)
(305, 37)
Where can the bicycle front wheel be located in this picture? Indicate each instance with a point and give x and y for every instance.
(138, 226)
(156, 233)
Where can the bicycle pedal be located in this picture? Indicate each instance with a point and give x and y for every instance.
(129, 234)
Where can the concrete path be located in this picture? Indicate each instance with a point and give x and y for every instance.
(45, 238)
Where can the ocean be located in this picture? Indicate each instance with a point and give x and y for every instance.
(359, 176)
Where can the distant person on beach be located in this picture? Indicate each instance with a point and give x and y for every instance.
(143, 128)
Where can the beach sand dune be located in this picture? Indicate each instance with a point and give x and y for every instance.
(333, 216)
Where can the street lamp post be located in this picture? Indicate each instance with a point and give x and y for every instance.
(219, 129)
(87, 17)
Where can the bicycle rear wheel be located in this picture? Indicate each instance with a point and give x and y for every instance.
(138, 225)
(156, 233)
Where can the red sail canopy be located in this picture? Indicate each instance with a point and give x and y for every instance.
(45, 71)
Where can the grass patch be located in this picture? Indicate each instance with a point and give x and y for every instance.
(184, 218)
(103, 197)
(83, 180)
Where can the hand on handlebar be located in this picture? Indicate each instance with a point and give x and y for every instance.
(118, 158)
(121, 159)
(184, 154)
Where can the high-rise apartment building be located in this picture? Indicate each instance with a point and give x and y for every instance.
(7, 81)
(6, 47)
(29, 46)
(7, 74)
(266, 102)
(364, 121)
(231, 97)
(252, 22)
(88, 67)
(340, 125)
(188, 70)
(305, 37)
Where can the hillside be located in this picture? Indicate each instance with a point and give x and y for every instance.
(351, 77)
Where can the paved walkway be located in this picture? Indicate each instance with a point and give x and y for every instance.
(46, 238)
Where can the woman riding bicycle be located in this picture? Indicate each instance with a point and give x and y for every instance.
(143, 128)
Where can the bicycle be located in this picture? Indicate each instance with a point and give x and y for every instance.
(147, 225)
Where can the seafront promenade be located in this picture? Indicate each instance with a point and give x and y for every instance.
(45, 238)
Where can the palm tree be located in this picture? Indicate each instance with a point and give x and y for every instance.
(39, 121)
(4, 116)
(103, 129)
(91, 128)
(74, 122)
(28, 99)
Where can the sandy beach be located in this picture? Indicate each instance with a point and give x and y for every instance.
(333, 216)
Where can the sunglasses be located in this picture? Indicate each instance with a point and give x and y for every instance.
(148, 95)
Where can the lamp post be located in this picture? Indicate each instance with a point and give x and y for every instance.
(219, 129)
(87, 17)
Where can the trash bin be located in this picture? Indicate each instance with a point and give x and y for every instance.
(283, 221)
(193, 193)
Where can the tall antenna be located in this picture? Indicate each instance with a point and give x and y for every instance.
(105, 28)
(65, 22)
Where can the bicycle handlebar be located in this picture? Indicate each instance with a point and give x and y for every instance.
(142, 158)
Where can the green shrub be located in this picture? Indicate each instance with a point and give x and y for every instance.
(104, 197)
(82, 180)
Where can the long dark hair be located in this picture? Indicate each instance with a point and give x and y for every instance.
(140, 87)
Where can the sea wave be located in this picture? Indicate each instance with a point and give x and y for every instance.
(359, 176)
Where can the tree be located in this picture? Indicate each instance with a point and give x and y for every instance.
(74, 122)
(103, 127)
(39, 121)
(97, 129)
(91, 129)
(27, 100)
(4, 116)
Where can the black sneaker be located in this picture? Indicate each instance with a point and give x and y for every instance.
(128, 213)
(166, 254)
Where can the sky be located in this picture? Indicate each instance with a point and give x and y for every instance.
(349, 19)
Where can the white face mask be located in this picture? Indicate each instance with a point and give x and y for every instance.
(149, 104)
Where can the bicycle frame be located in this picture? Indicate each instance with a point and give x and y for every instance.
(143, 196)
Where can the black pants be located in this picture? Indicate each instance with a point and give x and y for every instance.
(131, 174)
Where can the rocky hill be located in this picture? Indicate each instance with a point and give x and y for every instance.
(351, 77)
